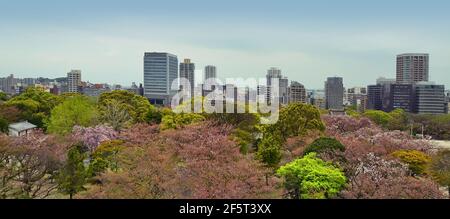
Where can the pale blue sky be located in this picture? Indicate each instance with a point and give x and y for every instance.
(308, 40)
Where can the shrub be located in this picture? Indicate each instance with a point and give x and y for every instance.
(105, 157)
(416, 160)
(312, 178)
(181, 120)
(379, 117)
(440, 169)
(324, 144)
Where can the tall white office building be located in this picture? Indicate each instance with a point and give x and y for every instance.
(160, 71)
(74, 81)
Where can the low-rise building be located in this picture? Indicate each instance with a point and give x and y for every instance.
(21, 129)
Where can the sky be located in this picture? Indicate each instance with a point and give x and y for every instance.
(308, 40)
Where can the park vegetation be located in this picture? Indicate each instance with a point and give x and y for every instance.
(120, 146)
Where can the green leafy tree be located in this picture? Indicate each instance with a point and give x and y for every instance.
(437, 126)
(298, 119)
(324, 144)
(312, 178)
(416, 160)
(4, 125)
(3, 96)
(154, 115)
(379, 117)
(244, 138)
(115, 114)
(440, 168)
(73, 175)
(180, 120)
(137, 106)
(398, 121)
(105, 157)
(245, 127)
(352, 112)
(269, 150)
(75, 111)
(35, 105)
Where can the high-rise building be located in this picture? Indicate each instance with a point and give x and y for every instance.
(160, 71)
(283, 84)
(412, 68)
(8, 84)
(374, 97)
(187, 71)
(74, 81)
(273, 73)
(284, 91)
(447, 95)
(334, 93)
(398, 96)
(429, 98)
(262, 94)
(210, 72)
(297, 93)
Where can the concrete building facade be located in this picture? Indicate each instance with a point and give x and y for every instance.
(297, 93)
(412, 67)
(74, 81)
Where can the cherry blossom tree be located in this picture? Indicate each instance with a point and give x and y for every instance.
(92, 137)
(199, 161)
(139, 134)
(29, 164)
(377, 178)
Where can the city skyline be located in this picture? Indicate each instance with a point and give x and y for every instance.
(308, 41)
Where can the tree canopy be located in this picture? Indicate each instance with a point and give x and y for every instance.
(35, 105)
(440, 168)
(324, 144)
(75, 111)
(379, 117)
(416, 160)
(72, 176)
(136, 106)
(296, 119)
(312, 178)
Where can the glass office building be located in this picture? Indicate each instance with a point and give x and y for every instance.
(160, 71)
